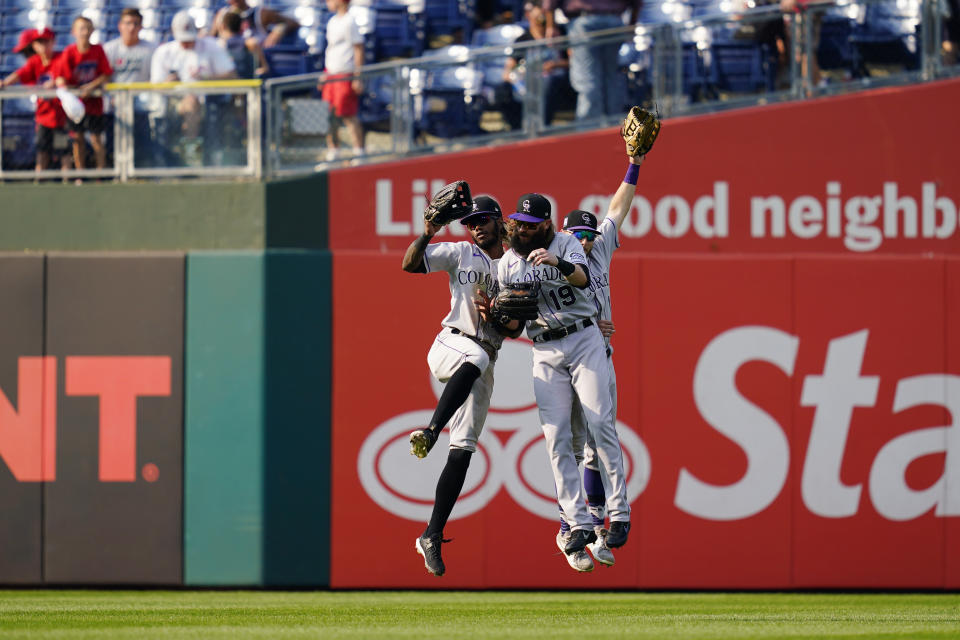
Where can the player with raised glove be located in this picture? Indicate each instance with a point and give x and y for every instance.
(450, 203)
(639, 130)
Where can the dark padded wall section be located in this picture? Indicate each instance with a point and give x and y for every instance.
(114, 514)
(297, 405)
(21, 320)
(296, 213)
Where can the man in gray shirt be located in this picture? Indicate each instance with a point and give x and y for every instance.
(129, 55)
(130, 58)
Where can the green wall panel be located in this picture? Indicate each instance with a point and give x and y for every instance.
(224, 411)
(257, 479)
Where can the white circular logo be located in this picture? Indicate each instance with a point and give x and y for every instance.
(526, 206)
(510, 453)
(586, 218)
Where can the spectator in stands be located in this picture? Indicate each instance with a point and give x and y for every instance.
(951, 26)
(84, 66)
(340, 86)
(269, 27)
(556, 89)
(594, 71)
(794, 10)
(189, 58)
(129, 55)
(247, 53)
(130, 58)
(36, 45)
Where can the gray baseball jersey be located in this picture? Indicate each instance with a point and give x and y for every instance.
(561, 303)
(598, 261)
(470, 270)
(574, 365)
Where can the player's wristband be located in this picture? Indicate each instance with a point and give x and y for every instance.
(566, 268)
(633, 172)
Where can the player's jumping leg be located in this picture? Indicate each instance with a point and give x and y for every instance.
(448, 490)
(454, 394)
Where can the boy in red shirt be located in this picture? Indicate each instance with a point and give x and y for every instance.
(85, 66)
(37, 46)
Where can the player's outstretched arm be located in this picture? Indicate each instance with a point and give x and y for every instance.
(623, 198)
(413, 258)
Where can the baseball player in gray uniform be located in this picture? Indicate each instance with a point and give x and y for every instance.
(462, 355)
(599, 242)
(568, 354)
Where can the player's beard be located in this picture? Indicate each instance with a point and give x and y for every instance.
(540, 239)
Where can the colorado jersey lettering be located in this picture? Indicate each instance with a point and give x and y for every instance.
(470, 270)
(599, 264)
(561, 303)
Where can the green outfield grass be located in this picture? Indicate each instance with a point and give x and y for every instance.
(410, 614)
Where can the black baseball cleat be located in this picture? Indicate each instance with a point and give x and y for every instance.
(579, 540)
(429, 548)
(421, 441)
(617, 536)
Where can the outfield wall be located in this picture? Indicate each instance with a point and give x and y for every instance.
(224, 417)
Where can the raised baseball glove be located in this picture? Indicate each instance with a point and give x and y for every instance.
(517, 301)
(640, 130)
(451, 203)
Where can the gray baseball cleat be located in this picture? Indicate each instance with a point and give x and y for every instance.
(578, 560)
(429, 548)
(421, 441)
(617, 536)
(600, 550)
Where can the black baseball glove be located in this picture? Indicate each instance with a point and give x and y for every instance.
(517, 301)
(451, 203)
(639, 131)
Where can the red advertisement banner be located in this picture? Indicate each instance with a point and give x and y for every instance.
(787, 422)
(837, 175)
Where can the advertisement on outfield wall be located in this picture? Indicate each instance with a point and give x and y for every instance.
(837, 175)
(786, 422)
(91, 419)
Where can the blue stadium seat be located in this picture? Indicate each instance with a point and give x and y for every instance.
(23, 19)
(19, 136)
(448, 17)
(742, 67)
(376, 102)
(889, 35)
(289, 60)
(447, 99)
(834, 50)
(501, 35)
(396, 32)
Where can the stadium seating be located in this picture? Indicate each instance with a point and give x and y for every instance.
(888, 35)
(447, 100)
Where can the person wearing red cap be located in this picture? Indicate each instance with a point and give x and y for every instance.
(84, 65)
(37, 46)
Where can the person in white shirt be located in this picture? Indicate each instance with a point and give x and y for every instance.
(341, 86)
(189, 58)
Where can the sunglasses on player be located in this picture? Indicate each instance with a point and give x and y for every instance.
(476, 221)
(523, 224)
(589, 236)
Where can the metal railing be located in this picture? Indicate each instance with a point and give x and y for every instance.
(679, 63)
(210, 129)
(458, 97)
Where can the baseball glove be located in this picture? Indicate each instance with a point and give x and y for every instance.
(517, 301)
(451, 203)
(640, 130)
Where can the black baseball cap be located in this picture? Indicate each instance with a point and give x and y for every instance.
(532, 207)
(579, 220)
(483, 206)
